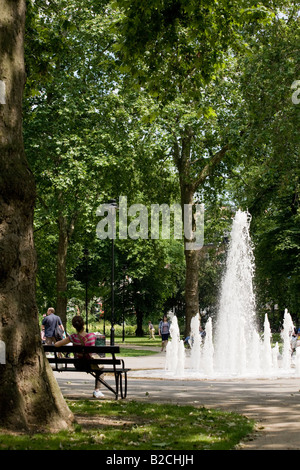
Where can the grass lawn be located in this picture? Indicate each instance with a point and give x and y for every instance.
(143, 341)
(132, 425)
(128, 352)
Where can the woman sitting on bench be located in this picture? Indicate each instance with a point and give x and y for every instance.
(81, 338)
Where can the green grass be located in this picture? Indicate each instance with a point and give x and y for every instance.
(142, 342)
(139, 341)
(128, 352)
(131, 425)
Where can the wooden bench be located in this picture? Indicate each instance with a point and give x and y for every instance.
(64, 360)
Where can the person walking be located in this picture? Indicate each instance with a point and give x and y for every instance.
(164, 332)
(151, 331)
(49, 324)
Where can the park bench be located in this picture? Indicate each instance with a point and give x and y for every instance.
(62, 359)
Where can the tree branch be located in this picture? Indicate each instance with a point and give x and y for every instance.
(213, 162)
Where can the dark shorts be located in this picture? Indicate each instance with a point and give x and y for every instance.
(165, 337)
(82, 366)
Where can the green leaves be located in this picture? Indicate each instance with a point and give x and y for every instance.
(88, 138)
(124, 97)
(269, 174)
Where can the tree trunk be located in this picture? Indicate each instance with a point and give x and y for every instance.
(139, 322)
(191, 263)
(191, 287)
(189, 184)
(61, 273)
(30, 398)
(139, 307)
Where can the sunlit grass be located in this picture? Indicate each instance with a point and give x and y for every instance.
(128, 425)
(128, 352)
(139, 341)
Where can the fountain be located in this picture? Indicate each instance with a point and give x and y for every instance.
(256, 360)
(235, 349)
(175, 357)
(238, 349)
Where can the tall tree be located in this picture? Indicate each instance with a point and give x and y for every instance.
(63, 124)
(269, 186)
(178, 52)
(85, 135)
(30, 398)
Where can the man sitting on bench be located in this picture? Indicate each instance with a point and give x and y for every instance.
(81, 338)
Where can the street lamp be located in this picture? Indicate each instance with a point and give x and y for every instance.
(112, 207)
(123, 303)
(86, 255)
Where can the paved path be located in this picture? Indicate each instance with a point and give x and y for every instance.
(273, 403)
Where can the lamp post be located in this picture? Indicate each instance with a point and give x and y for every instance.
(86, 254)
(123, 303)
(112, 207)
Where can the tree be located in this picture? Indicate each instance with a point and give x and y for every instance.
(179, 52)
(267, 180)
(30, 398)
(68, 127)
(85, 135)
(154, 268)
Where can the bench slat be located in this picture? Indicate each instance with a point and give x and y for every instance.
(79, 349)
(105, 371)
(73, 360)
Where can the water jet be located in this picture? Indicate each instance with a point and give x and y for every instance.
(233, 347)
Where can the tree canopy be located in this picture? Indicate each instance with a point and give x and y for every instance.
(166, 102)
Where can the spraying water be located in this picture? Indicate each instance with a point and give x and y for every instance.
(235, 349)
(236, 318)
